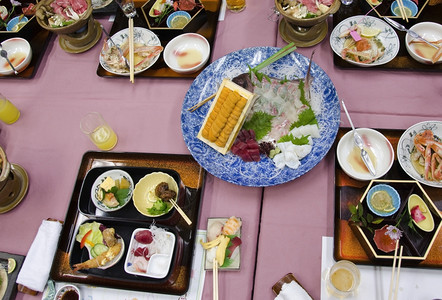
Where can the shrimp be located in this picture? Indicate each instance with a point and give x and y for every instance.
(231, 226)
(101, 259)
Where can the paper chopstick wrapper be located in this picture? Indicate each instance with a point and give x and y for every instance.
(34, 273)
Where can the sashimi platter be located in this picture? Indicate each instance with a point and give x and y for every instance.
(273, 115)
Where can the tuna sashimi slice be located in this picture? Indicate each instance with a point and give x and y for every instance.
(417, 214)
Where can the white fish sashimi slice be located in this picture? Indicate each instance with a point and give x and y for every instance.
(312, 130)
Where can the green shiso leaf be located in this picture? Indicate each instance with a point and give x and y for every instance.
(260, 123)
(121, 194)
(297, 141)
(306, 117)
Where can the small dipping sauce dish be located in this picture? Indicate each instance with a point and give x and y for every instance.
(68, 292)
(343, 279)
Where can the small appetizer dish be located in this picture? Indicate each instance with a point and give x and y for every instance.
(383, 200)
(68, 292)
(381, 222)
(112, 190)
(421, 51)
(19, 54)
(150, 252)
(420, 214)
(105, 247)
(222, 245)
(178, 19)
(147, 50)
(364, 41)
(16, 23)
(419, 152)
(410, 8)
(152, 194)
(378, 147)
(187, 53)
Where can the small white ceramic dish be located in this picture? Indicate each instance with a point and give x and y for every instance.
(159, 262)
(348, 154)
(141, 36)
(428, 30)
(408, 4)
(395, 198)
(114, 174)
(68, 291)
(405, 148)
(187, 53)
(19, 53)
(387, 36)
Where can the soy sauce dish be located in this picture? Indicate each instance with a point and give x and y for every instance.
(68, 292)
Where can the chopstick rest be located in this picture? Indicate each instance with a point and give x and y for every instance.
(34, 273)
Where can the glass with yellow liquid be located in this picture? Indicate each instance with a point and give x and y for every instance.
(343, 279)
(236, 5)
(100, 133)
(8, 112)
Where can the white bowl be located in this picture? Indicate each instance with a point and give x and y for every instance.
(387, 36)
(375, 142)
(187, 53)
(67, 288)
(19, 53)
(429, 31)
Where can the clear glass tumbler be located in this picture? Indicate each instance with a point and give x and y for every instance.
(100, 133)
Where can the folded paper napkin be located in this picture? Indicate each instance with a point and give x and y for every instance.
(34, 273)
(292, 291)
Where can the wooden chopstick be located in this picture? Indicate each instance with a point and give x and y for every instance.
(196, 106)
(394, 280)
(402, 9)
(131, 49)
(182, 213)
(215, 279)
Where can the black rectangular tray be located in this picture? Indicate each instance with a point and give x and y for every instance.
(11, 290)
(192, 178)
(403, 61)
(160, 69)
(87, 207)
(116, 272)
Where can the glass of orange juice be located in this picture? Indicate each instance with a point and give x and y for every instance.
(100, 133)
(8, 112)
(343, 279)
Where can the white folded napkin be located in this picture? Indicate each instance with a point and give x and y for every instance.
(34, 273)
(292, 291)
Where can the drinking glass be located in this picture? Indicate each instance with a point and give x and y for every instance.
(128, 7)
(100, 133)
(343, 279)
(9, 113)
(236, 5)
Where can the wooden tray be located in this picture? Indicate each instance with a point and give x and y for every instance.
(177, 282)
(160, 69)
(403, 61)
(348, 190)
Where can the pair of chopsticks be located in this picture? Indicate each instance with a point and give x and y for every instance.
(215, 279)
(131, 50)
(402, 9)
(394, 282)
(280, 54)
(182, 213)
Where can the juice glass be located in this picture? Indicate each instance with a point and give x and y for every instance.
(343, 279)
(100, 133)
(8, 112)
(236, 5)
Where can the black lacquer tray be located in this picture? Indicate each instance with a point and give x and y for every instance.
(403, 61)
(191, 177)
(206, 26)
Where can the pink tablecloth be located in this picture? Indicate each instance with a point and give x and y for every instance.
(48, 143)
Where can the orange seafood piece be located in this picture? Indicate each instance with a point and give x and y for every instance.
(232, 225)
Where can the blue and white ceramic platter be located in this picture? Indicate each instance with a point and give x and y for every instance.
(387, 36)
(231, 168)
(405, 148)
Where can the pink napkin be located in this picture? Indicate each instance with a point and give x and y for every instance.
(34, 273)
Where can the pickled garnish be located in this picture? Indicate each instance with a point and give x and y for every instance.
(382, 201)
